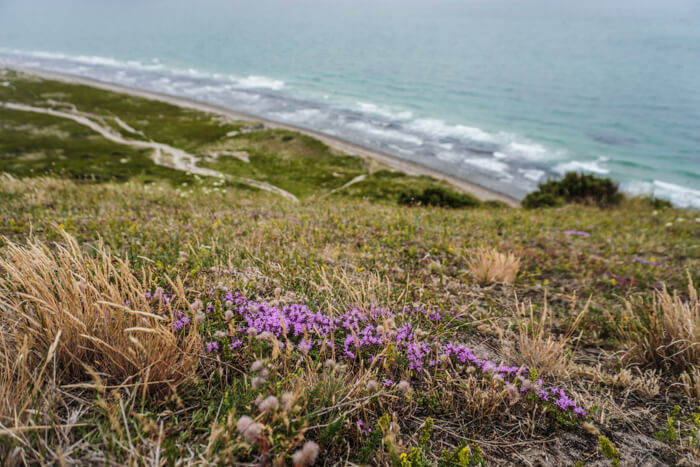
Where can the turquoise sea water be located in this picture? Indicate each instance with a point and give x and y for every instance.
(502, 93)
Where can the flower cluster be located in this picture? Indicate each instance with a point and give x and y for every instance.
(647, 262)
(180, 321)
(577, 233)
(363, 334)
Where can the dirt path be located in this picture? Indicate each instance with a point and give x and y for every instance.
(357, 179)
(179, 159)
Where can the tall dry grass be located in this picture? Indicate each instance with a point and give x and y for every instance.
(663, 333)
(489, 266)
(90, 313)
(536, 345)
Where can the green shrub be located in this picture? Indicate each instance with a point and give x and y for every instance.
(658, 203)
(574, 188)
(609, 450)
(464, 455)
(494, 204)
(437, 197)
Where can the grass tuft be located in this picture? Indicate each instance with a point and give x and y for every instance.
(488, 266)
(665, 332)
(90, 314)
(537, 346)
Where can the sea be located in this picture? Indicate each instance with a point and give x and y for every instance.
(502, 93)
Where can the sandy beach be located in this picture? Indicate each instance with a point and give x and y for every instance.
(393, 162)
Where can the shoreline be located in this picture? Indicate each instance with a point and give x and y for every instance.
(408, 167)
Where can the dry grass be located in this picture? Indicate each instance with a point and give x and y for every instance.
(536, 346)
(488, 266)
(691, 382)
(93, 314)
(664, 333)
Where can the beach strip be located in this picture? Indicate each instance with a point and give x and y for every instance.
(408, 167)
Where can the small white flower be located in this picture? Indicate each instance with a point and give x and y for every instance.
(257, 382)
(269, 403)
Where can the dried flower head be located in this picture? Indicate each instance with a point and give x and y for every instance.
(306, 455)
(257, 382)
(269, 403)
(249, 429)
(197, 305)
(158, 294)
(287, 400)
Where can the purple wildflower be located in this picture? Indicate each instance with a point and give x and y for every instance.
(577, 233)
(647, 262)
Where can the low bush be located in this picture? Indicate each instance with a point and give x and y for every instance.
(575, 188)
(437, 197)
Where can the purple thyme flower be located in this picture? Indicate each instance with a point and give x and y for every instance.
(577, 233)
(212, 346)
(647, 262)
(362, 334)
(181, 321)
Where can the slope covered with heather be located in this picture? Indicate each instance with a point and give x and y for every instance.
(150, 315)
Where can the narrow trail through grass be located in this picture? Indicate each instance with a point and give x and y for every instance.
(179, 159)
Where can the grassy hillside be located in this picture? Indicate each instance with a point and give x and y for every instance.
(34, 144)
(154, 317)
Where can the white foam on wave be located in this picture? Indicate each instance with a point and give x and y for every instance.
(86, 59)
(400, 149)
(680, 196)
(260, 82)
(205, 90)
(448, 156)
(491, 165)
(438, 128)
(249, 82)
(582, 166)
(527, 151)
(370, 108)
(299, 116)
(384, 133)
(534, 175)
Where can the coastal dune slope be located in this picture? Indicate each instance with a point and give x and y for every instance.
(162, 301)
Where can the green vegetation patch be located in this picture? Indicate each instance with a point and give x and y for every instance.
(575, 188)
(34, 144)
